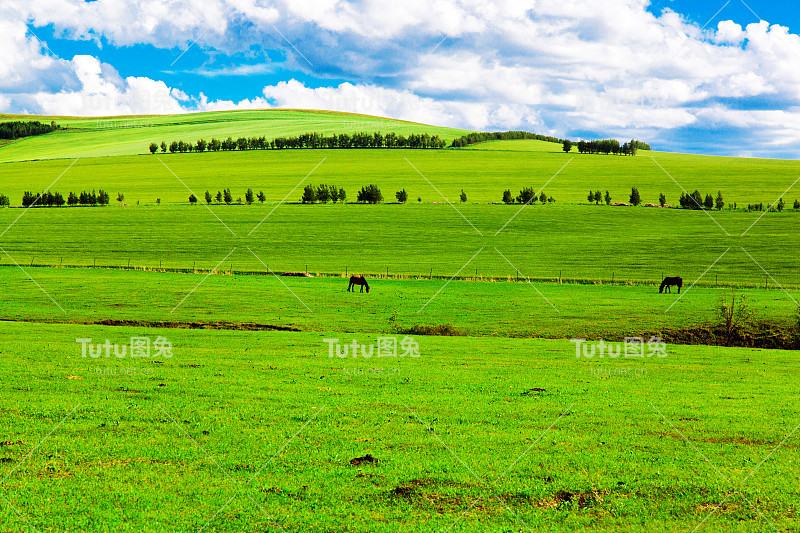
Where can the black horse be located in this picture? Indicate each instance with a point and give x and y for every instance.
(358, 280)
(670, 282)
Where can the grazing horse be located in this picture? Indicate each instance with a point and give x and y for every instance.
(669, 282)
(358, 280)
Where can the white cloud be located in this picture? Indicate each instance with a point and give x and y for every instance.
(553, 66)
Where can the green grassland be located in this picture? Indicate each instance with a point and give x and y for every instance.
(240, 430)
(548, 310)
(105, 136)
(501, 428)
(588, 244)
(483, 174)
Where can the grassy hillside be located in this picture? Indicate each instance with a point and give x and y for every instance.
(483, 174)
(104, 136)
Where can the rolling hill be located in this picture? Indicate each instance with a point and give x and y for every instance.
(130, 135)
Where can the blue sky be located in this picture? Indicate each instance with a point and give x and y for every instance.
(691, 76)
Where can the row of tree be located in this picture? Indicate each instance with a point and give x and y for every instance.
(323, 194)
(606, 146)
(481, 137)
(18, 129)
(527, 195)
(306, 140)
(55, 199)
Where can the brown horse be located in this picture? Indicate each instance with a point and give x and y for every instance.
(358, 280)
(671, 282)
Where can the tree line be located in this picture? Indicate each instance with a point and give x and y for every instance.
(307, 141)
(480, 137)
(56, 199)
(527, 195)
(606, 146)
(18, 129)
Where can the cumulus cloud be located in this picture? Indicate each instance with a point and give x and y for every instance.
(564, 68)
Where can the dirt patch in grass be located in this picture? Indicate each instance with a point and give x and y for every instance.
(440, 330)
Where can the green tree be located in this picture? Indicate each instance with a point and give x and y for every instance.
(192, 199)
(173, 147)
(262, 197)
(5, 202)
(153, 148)
(249, 196)
(309, 195)
(719, 203)
(219, 197)
(598, 197)
(796, 205)
(708, 203)
(163, 147)
(590, 197)
(635, 198)
(781, 205)
(507, 198)
(662, 200)
(72, 199)
(543, 197)
(103, 197)
(463, 197)
(208, 197)
(120, 197)
(607, 198)
(402, 196)
(226, 194)
(526, 195)
(342, 195)
(567, 145)
(370, 194)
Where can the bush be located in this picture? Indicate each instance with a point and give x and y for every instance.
(662, 200)
(262, 197)
(734, 313)
(402, 196)
(370, 194)
(507, 198)
(796, 205)
(463, 197)
(192, 199)
(153, 148)
(249, 196)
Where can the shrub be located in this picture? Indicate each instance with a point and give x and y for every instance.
(463, 197)
(507, 198)
(249, 196)
(402, 196)
(153, 148)
(192, 199)
(262, 197)
(607, 198)
(543, 197)
(662, 200)
(796, 205)
(733, 314)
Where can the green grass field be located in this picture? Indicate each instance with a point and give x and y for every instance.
(105, 136)
(251, 426)
(239, 429)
